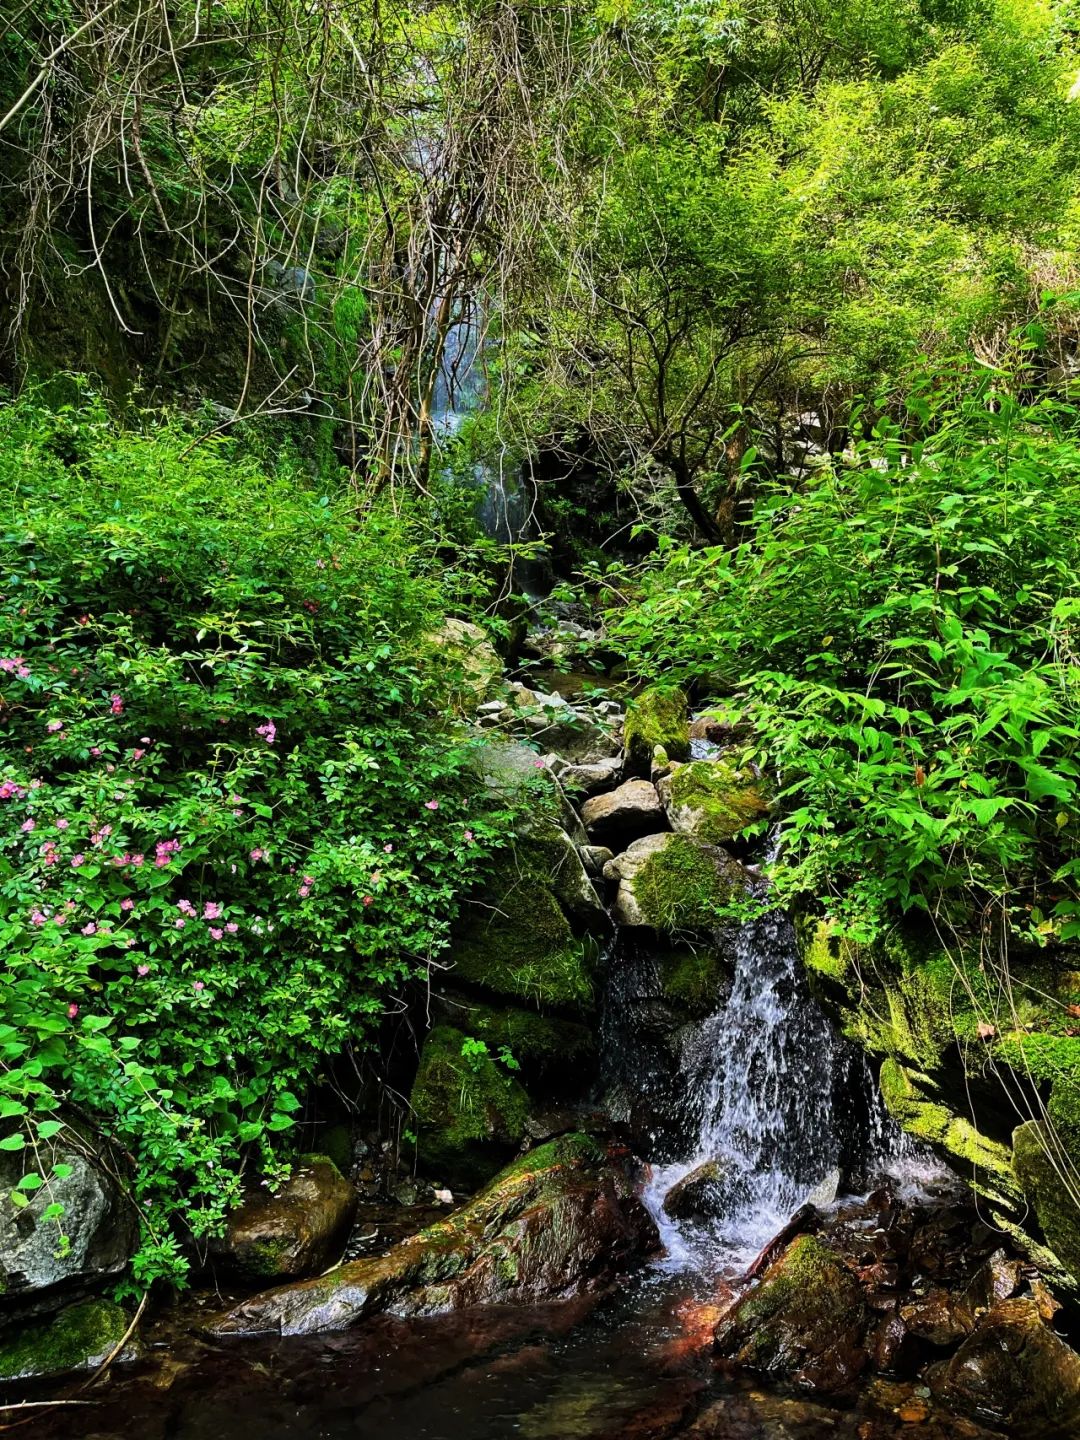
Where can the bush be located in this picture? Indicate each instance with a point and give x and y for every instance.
(233, 826)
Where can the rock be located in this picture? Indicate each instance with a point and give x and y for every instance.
(297, 1231)
(656, 717)
(1013, 1370)
(562, 641)
(718, 724)
(473, 662)
(575, 737)
(470, 1111)
(699, 1195)
(623, 814)
(588, 779)
(694, 977)
(549, 845)
(594, 858)
(674, 883)
(807, 1319)
(711, 800)
(558, 1221)
(1048, 1193)
(99, 1222)
(82, 1337)
(554, 1051)
(518, 773)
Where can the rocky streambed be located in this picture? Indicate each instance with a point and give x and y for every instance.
(638, 1134)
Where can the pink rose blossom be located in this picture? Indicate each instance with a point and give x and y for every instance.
(211, 910)
(37, 918)
(198, 986)
(232, 927)
(62, 824)
(267, 731)
(116, 705)
(27, 826)
(54, 726)
(95, 750)
(142, 969)
(257, 855)
(138, 860)
(467, 836)
(304, 891)
(77, 860)
(137, 754)
(216, 933)
(73, 1010)
(368, 900)
(431, 804)
(127, 904)
(89, 929)
(179, 922)
(388, 849)
(186, 907)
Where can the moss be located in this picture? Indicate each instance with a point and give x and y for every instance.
(714, 801)
(693, 977)
(656, 717)
(537, 1041)
(685, 886)
(517, 941)
(824, 951)
(1041, 1179)
(77, 1339)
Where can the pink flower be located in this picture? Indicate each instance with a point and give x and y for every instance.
(142, 970)
(137, 754)
(368, 900)
(257, 855)
(232, 927)
(211, 910)
(376, 876)
(309, 879)
(37, 918)
(304, 891)
(73, 1010)
(179, 922)
(23, 672)
(185, 907)
(431, 804)
(77, 860)
(62, 824)
(267, 731)
(198, 986)
(95, 750)
(127, 904)
(467, 836)
(54, 725)
(216, 933)
(27, 826)
(116, 705)
(539, 765)
(144, 739)
(89, 929)
(10, 791)
(237, 814)
(137, 860)
(164, 850)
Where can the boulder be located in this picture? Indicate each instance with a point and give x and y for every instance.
(298, 1230)
(1047, 1191)
(623, 814)
(473, 662)
(549, 846)
(594, 858)
(557, 1222)
(517, 773)
(1014, 1370)
(674, 883)
(699, 1195)
(807, 1319)
(82, 1337)
(656, 717)
(98, 1220)
(588, 779)
(712, 800)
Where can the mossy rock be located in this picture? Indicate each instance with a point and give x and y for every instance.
(81, 1337)
(656, 717)
(539, 1043)
(686, 885)
(472, 665)
(712, 800)
(515, 940)
(694, 978)
(1044, 1187)
(469, 1110)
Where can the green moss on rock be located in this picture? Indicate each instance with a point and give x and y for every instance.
(693, 977)
(1043, 1182)
(78, 1338)
(656, 717)
(538, 1042)
(687, 885)
(713, 801)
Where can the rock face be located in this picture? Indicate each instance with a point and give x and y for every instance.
(674, 883)
(558, 1221)
(624, 814)
(99, 1222)
(298, 1231)
(712, 800)
(81, 1337)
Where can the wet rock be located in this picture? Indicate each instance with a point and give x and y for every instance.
(82, 1337)
(806, 1319)
(674, 883)
(938, 1317)
(712, 800)
(1012, 1369)
(99, 1222)
(701, 1195)
(654, 718)
(297, 1231)
(558, 1221)
(473, 662)
(624, 814)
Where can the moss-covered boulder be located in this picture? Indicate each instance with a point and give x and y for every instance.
(656, 717)
(701, 1195)
(469, 1108)
(554, 1052)
(674, 883)
(1045, 1173)
(806, 1319)
(694, 977)
(559, 1221)
(544, 846)
(472, 665)
(295, 1231)
(712, 800)
(79, 1338)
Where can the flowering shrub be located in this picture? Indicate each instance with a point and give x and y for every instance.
(232, 822)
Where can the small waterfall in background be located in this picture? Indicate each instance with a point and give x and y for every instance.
(763, 1092)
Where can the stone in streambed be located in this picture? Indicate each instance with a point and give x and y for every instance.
(624, 814)
(712, 800)
(701, 1195)
(82, 1337)
(557, 1222)
(807, 1319)
(655, 718)
(297, 1231)
(674, 883)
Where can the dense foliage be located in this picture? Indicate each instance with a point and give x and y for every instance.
(235, 817)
